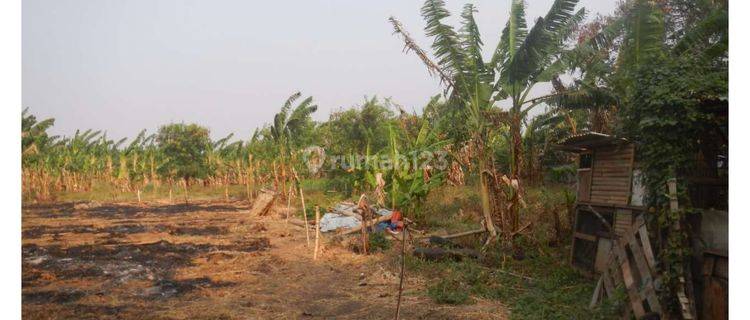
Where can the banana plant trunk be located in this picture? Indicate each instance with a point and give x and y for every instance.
(516, 164)
(484, 192)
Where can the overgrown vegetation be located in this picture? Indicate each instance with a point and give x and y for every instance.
(654, 72)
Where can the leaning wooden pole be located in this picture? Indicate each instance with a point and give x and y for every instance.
(401, 278)
(304, 210)
(317, 232)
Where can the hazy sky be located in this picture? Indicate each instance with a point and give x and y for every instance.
(123, 66)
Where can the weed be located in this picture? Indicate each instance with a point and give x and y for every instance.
(449, 290)
(378, 242)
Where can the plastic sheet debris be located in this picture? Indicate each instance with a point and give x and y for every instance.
(345, 215)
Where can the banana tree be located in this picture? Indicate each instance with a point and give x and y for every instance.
(286, 125)
(522, 58)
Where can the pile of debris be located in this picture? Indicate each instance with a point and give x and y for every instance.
(348, 216)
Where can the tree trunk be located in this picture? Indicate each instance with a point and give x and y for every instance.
(516, 164)
(484, 192)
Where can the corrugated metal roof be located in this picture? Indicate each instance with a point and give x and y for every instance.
(587, 140)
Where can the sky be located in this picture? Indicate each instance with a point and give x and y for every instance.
(124, 66)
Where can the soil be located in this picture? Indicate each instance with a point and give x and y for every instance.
(206, 260)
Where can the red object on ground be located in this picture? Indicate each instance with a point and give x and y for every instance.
(396, 220)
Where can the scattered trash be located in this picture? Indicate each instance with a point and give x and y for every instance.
(346, 215)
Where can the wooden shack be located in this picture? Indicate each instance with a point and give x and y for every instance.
(605, 190)
(610, 198)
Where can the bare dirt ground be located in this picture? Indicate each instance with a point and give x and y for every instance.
(206, 260)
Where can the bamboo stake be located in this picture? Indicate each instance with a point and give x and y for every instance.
(249, 178)
(288, 206)
(226, 188)
(304, 210)
(403, 266)
(317, 232)
(184, 183)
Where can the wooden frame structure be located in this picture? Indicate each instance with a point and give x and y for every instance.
(610, 237)
(606, 207)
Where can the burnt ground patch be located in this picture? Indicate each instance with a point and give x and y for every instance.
(38, 231)
(51, 210)
(124, 210)
(122, 262)
(52, 296)
(194, 231)
(167, 288)
(122, 229)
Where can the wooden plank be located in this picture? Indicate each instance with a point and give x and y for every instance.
(612, 157)
(653, 300)
(262, 203)
(640, 260)
(608, 193)
(584, 185)
(639, 256)
(623, 219)
(608, 282)
(609, 196)
(608, 200)
(616, 189)
(636, 302)
(584, 236)
(648, 252)
(596, 297)
(609, 182)
(612, 198)
(603, 252)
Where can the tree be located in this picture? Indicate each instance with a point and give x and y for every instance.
(185, 148)
(288, 123)
(523, 58)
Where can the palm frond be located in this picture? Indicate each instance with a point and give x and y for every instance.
(711, 32)
(644, 37)
(544, 38)
(411, 45)
(512, 35)
(446, 45)
(290, 100)
(471, 40)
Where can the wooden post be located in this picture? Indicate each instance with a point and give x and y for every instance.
(226, 188)
(317, 232)
(685, 294)
(288, 206)
(171, 201)
(249, 179)
(304, 210)
(362, 205)
(403, 268)
(185, 184)
(138, 192)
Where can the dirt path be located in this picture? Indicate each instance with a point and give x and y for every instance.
(207, 260)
